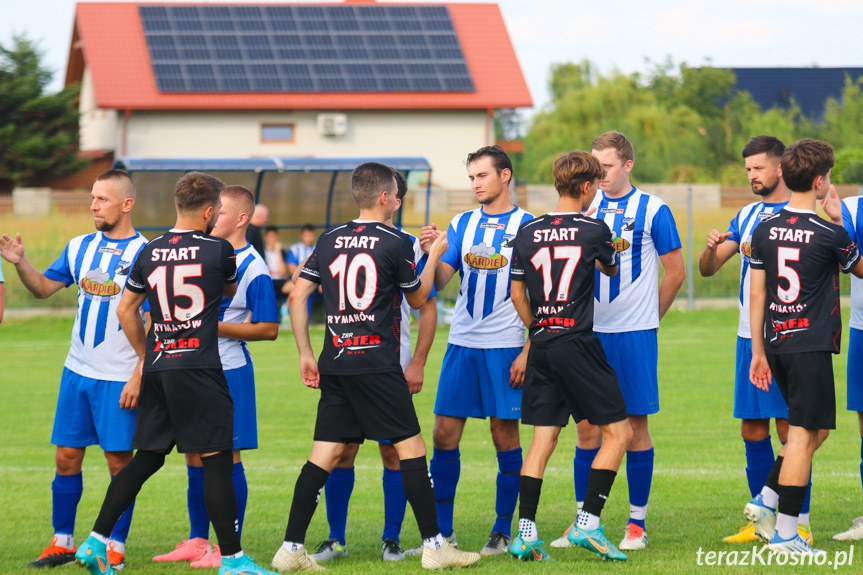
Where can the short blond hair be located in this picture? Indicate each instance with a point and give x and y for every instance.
(617, 141)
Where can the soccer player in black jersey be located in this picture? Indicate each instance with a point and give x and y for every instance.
(362, 266)
(796, 326)
(184, 399)
(567, 372)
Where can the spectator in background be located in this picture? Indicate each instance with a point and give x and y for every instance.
(253, 233)
(275, 256)
(298, 252)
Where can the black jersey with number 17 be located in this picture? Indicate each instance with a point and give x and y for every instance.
(555, 256)
(183, 274)
(363, 268)
(801, 255)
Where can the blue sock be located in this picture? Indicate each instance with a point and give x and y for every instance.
(121, 527)
(337, 490)
(66, 492)
(759, 461)
(805, 508)
(241, 490)
(198, 518)
(395, 503)
(445, 468)
(508, 477)
(639, 475)
(581, 470)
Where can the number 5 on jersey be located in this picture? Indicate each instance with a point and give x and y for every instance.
(158, 281)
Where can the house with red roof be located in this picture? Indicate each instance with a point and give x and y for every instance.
(352, 79)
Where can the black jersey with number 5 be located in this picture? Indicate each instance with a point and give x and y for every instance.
(183, 274)
(801, 255)
(555, 256)
(363, 268)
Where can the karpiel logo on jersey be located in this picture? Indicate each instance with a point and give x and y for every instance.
(746, 247)
(787, 328)
(620, 244)
(99, 284)
(484, 259)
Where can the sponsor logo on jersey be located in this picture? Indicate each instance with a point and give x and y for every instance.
(556, 221)
(350, 318)
(122, 268)
(556, 322)
(611, 211)
(620, 244)
(98, 283)
(507, 241)
(110, 250)
(177, 345)
(793, 220)
(765, 215)
(787, 328)
(492, 226)
(359, 229)
(174, 240)
(780, 308)
(485, 258)
(746, 247)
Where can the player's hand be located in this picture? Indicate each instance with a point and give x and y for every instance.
(714, 238)
(516, 372)
(12, 250)
(132, 389)
(590, 212)
(428, 234)
(759, 372)
(832, 205)
(414, 375)
(439, 246)
(309, 372)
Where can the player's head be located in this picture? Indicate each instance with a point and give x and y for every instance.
(762, 155)
(307, 235)
(113, 196)
(235, 212)
(198, 195)
(261, 215)
(577, 175)
(373, 185)
(806, 166)
(614, 151)
(490, 171)
(271, 235)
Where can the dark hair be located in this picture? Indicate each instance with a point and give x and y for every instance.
(773, 147)
(197, 190)
(572, 170)
(401, 184)
(368, 181)
(271, 229)
(307, 228)
(499, 159)
(805, 160)
(615, 140)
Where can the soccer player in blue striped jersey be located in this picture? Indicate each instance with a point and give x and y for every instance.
(255, 300)
(754, 407)
(626, 319)
(99, 386)
(483, 368)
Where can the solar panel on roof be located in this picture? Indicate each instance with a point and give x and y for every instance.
(298, 49)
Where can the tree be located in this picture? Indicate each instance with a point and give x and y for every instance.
(843, 118)
(38, 131)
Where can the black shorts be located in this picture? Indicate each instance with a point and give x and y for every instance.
(806, 382)
(365, 406)
(571, 378)
(189, 408)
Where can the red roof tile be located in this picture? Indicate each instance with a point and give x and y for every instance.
(115, 51)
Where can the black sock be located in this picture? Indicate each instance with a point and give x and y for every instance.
(125, 487)
(307, 493)
(529, 489)
(599, 484)
(220, 500)
(791, 498)
(773, 477)
(417, 484)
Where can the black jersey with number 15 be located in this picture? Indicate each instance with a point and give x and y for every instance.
(801, 255)
(363, 268)
(183, 274)
(555, 255)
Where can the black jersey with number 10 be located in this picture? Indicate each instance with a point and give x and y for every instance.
(183, 274)
(363, 268)
(801, 255)
(555, 256)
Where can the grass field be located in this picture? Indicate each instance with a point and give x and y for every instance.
(698, 493)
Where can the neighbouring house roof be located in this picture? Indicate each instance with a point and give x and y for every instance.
(808, 87)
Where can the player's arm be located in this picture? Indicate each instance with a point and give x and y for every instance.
(297, 302)
(719, 249)
(128, 312)
(416, 299)
(35, 281)
(415, 372)
(518, 295)
(675, 273)
(759, 369)
(249, 331)
(609, 270)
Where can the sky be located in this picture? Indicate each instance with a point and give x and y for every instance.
(613, 34)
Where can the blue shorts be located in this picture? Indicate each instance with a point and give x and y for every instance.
(475, 383)
(241, 385)
(634, 355)
(88, 413)
(749, 401)
(855, 366)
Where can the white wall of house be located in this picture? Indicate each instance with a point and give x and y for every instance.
(98, 127)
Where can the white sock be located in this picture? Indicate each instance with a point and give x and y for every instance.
(578, 505)
(587, 520)
(234, 556)
(291, 546)
(786, 526)
(435, 542)
(117, 546)
(803, 519)
(527, 530)
(638, 512)
(98, 537)
(769, 497)
(65, 540)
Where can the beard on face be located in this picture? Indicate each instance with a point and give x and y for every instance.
(765, 190)
(104, 225)
(211, 224)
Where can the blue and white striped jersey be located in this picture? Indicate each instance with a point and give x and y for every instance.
(480, 248)
(298, 252)
(255, 295)
(405, 349)
(643, 229)
(741, 228)
(100, 267)
(852, 220)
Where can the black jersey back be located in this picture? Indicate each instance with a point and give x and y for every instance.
(363, 268)
(184, 276)
(555, 255)
(801, 255)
